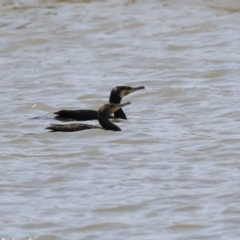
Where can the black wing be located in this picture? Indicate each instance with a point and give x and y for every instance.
(76, 115)
(71, 127)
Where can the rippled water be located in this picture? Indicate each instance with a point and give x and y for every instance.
(173, 172)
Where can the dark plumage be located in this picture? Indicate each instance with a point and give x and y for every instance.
(76, 115)
(71, 127)
(116, 96)
(102, 115)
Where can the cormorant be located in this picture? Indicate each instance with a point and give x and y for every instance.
(102, 115)
(116, 96)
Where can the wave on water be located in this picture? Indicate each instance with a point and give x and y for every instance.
(232, 5)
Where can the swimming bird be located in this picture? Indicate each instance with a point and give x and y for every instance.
(116, 96)
(103, 118)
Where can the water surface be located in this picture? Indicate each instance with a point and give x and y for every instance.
(173, 171)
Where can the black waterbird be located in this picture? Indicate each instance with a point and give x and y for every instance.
(103, 118)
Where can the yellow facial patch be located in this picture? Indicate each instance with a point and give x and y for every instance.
(127, 92)
(124, 93)
(114, 109)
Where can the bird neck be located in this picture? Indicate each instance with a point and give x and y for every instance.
(106, 124)
(114, 98)
(117, 99)
(120, 114)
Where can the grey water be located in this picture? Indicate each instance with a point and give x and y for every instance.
(173, 172)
